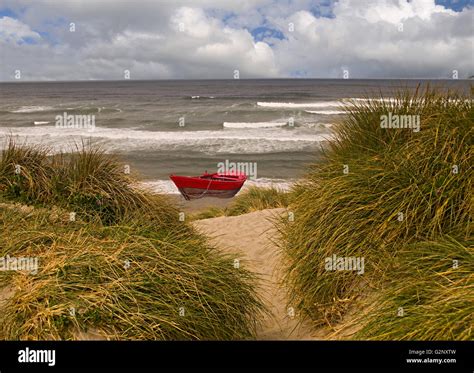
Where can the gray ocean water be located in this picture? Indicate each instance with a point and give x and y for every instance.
(188, 126)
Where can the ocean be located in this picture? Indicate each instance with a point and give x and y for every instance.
(185, 127)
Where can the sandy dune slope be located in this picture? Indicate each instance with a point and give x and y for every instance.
(250, 236)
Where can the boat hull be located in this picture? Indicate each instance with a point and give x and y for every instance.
(215, 185)
(195, 193)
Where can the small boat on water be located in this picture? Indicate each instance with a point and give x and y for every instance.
(220, 185)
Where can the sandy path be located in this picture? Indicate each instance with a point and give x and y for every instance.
(250, 236)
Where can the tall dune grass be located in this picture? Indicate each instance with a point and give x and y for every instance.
(374, 192)
(126, 265)
(252, 199)
(88, 180)
(255, 199)
(430, 296)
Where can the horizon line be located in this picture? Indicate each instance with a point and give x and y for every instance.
(208, 79)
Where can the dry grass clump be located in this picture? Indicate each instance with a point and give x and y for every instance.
(430, 297)
(126, 266)
(249, 200)
(375, 192)
(87, 181)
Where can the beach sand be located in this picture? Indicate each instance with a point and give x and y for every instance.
(250, 236)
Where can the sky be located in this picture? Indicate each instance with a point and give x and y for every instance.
(54, 40)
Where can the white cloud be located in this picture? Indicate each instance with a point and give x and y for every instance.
(211, 39)
(365, 38)
(13, 30)
(193, 22)
(392, 11)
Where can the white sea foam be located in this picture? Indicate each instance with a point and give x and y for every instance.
(319, 125)
(320, 104)
(232, 141)
(159, 186)
(253, 124)
(386, 99)
(37, 123)
(38, 109)
(31, 109)
(325, 112)
(281, 184)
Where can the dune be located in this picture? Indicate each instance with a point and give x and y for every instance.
(250, 236)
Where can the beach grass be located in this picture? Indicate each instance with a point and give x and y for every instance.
(374, 193)
(430, 296)
(87, 180)
(251, 199)
(255, 199)
(124, 266)
(209, 213)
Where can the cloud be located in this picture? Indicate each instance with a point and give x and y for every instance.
(211, 39)
(379, 39)
(389, 11)
(14, 31)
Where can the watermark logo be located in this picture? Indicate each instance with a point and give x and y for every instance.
(345, 263)
(27, 264)
(400, 121)
(76, 121)
(37, 356)
(247, 168)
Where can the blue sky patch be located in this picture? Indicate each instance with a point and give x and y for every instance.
(323, 9)
(263, 32)
(5, 12)
(456, 5)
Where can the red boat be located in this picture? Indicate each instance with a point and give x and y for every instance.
(209, 185)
